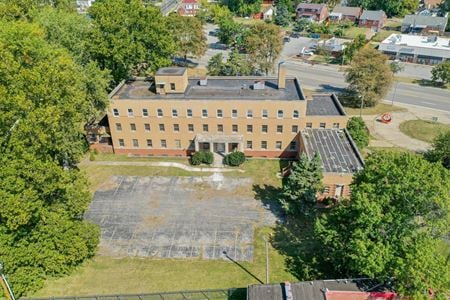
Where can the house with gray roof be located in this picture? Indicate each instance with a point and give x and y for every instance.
(373, 19)
(424, 24)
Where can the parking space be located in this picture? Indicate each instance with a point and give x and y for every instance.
(178, 217)
(294, 46)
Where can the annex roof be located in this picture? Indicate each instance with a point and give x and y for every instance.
(319, 290)
(347, 10)
(217, 88)
(376, 15)
(420, 20)
(336, 148)
(324, 105)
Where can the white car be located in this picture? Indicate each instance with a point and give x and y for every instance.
(306, 52)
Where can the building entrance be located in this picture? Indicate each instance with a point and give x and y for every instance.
(219, 147)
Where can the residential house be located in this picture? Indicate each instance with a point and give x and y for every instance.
(189, 8)
(83, 5)
(312, 11)
(268, 13)
(342, 13)
(373, 19)
(424, 24)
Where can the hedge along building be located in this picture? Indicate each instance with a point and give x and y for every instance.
(173, 115)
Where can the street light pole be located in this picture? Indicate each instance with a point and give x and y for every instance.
(266, 242)
(4, 284)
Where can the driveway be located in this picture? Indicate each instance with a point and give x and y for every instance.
(214, 47)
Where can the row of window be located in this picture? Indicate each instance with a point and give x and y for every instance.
(205, 114)
(234, 127)
(249, 144)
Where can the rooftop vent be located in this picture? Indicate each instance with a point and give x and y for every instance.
(432, 38)
(204, 81)
(259, 85)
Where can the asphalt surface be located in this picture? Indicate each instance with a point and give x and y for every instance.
(330, 79)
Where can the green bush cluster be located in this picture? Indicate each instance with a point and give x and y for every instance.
(358, 131)
(199, 157)
(235, 159)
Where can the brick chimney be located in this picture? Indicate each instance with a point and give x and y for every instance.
(281, 76)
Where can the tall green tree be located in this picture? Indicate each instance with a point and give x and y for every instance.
(230, 32)
(440, 150)
(282, 16)
(390, 227)
(129, 38)
(244, 8)
(441, 73)
(263, 44)
(44, 104)
(390, 7)
(353, 47)
(369, 77)
(237, 64)
(358, 131)
(300, 188)
(190, 37)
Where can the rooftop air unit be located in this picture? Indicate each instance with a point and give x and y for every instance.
(204, 81)
(259, 85)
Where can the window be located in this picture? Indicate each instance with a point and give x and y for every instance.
(147, 127)
(191, 127)
(177, 144)
(176, 127)
(149, 143)
(121, 143)
(161, 127)
(263, 144)
(159, 112)
(280, 114)
(295, 114)
(339, 190)
(336, 125)
(189, 113)
(294, 128)
(204, 113)
(265, 113)
(205, 128)
(220, 128)
(322, 125)
(163, 144)
(279, 128)
(145, 112)
(249, 144)
(309, 125)
(219, 113)
(249, 113)
(135, 143)
(234, 128)
(264, 128)
(130, 112)
(174, 113)
(250, 128)
(293, 145)
(133, 127)
(115, 112)
(234, 113)
(118, 127)
(278, 145)
(172, 86)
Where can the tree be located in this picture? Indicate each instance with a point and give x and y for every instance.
(358, 131)
(237, 65)
(440, 150)
(263, 44)
(390, 7)
(244, 8)
(302, 25)
(190, 37)
(369, 76)
(302, 185)
(230, 32)
(389, 228)
(129, 38)
(44, 103)
(215, 65)
(441, 73)
(282, 16)
(354, 46)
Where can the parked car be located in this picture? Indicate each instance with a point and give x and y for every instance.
(295, 35)
(286, 39)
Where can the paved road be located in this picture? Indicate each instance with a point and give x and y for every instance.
(329, 79)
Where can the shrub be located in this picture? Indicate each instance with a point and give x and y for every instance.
(358, 131)
(92, 155)
(235, 159)
(200, 157)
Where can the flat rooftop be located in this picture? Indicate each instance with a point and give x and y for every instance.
(336, 149)
(417, 41)
(324, 105)
(171, 71)
(217, 88)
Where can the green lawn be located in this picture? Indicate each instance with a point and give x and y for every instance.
(122, 157)
(423, 130)
(379, 109)
(352, 32)
(382, 35)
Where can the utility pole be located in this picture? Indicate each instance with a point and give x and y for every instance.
(4, 284)
(266, 242)
(361, 107)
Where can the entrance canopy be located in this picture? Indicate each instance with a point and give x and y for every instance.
(218, 138)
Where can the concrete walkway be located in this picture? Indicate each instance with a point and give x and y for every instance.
(389, 135)
(161, 164)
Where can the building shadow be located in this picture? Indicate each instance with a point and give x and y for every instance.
(242, 267)
(328, 88)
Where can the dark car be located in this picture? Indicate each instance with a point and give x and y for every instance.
(295, 35)
(286, 39)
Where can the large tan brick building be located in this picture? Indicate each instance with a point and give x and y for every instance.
(173, 115)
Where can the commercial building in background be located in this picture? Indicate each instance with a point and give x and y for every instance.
(428, 50)
(173, 115)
